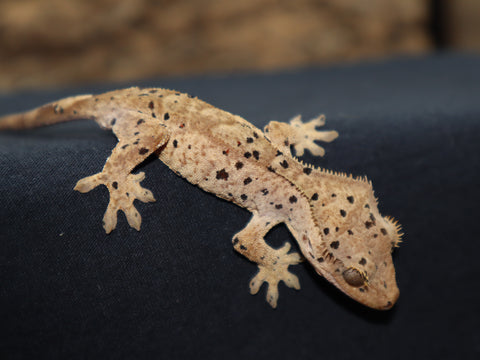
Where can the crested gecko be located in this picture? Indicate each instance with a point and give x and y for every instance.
(333, 217)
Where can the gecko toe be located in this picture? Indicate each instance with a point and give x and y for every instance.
(110, 219)
(88, 183)
(133, 217)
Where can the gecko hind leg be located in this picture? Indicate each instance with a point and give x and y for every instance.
(137, 140)
(272, 263)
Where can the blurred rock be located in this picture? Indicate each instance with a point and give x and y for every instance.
(463, 25)
(52, 42)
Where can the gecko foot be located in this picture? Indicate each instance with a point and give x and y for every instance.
(305, 135)
(122, 194)
(274, 271)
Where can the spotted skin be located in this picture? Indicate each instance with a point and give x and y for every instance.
(333, 217)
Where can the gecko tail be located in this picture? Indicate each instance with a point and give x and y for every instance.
(48, 114)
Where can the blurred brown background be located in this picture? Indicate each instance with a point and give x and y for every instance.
(60, 42)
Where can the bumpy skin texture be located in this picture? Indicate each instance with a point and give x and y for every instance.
(333, 217)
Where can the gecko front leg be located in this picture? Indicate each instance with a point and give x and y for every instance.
(272, 263)
(300, 135)
(138, 138)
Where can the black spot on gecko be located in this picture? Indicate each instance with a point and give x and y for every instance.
(222, 174)
(247, 181)
(175, 143)
(136, 133)
(141, 121)
(153, 91)
(314, 197)
(143, 151)
(271, 169)
(256, 154)
(334, 195)
(368, 224)
(335, 244)
(264, 192)
(350, 232)
(225, 152)
(151, 105)
(247, 155)
(307, 170)
(243, 247)
(166, 116)
(279, 153)
(124, 146)
(244, 197)
(367, 206)
(284, 164)
(113, 121)
(350, 199)
(292, 199)
(320, 259)
(115, 185)
(326, 231)
(239, 165)
(383, 231)
(343, 213)
(255, 135)
(153, 115)
(249, 140)
(278, 206)
(235, 241)
(362, 261)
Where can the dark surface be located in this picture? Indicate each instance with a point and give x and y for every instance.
(176, 289)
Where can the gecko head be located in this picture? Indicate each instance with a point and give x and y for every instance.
(357, 242)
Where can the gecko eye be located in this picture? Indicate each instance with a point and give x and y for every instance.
(353, 277)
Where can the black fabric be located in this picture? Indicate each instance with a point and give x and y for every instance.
(176, 289)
